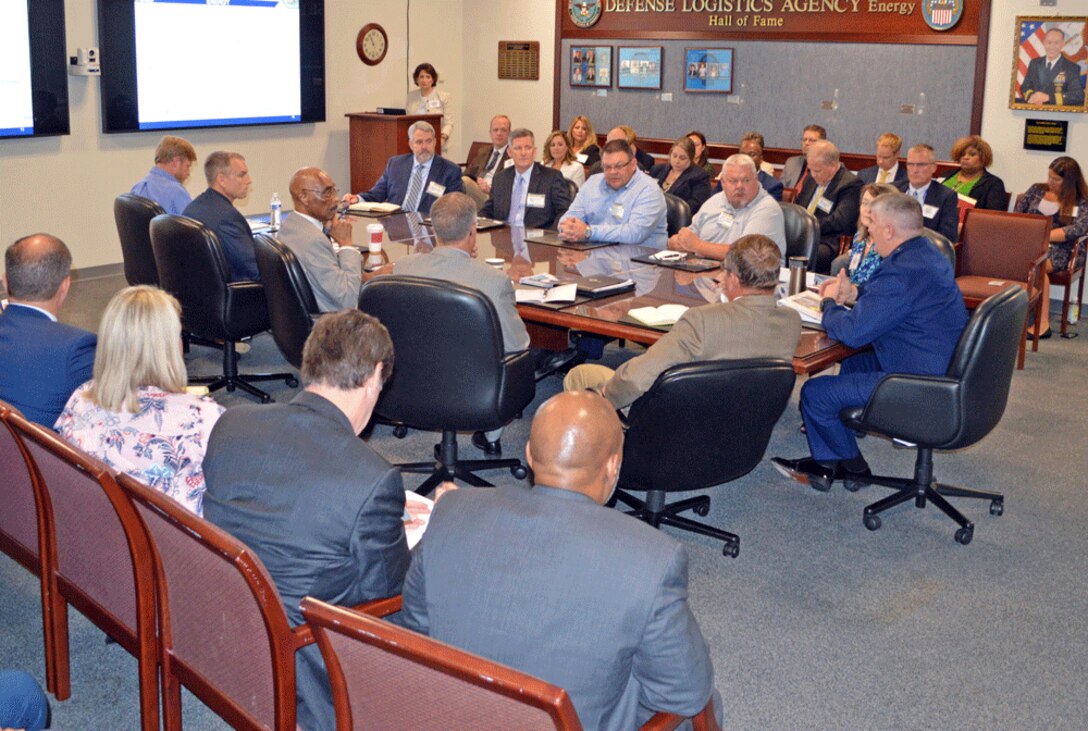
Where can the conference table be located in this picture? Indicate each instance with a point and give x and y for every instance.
(549, 325)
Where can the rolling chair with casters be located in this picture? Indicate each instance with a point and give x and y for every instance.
(292, 308)
(677, 214)
(667, 449)
(193, 268)
(438, 383)
(802, 232)
(946, 412)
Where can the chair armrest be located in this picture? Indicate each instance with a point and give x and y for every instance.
(301, 636)
(380, 607)
(919, 409)
(1075, 254)
(518, 382)
(844, 244)
(1036, 270)
(247, 310)
(703, 721)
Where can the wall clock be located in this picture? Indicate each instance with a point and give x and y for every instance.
(371, 44)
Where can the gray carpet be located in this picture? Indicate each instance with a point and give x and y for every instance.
(819, 623)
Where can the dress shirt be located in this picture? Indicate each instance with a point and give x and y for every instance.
(634, 214)
(163, 188)
(574, 171)
(517, 200)
(919, 193)
(889, 175)
(762, 216)
(494, 159)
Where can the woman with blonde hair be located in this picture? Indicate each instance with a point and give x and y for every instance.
(559, 156)
(583, 141)
(135, 414)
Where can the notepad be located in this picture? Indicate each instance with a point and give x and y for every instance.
(536, 295)
(658, 316)
(806, 304)
(373, 207)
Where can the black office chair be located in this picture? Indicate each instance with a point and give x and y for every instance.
(573, 188)
(802, 232)
(700, 425)
(133, 214)
(450, 373)
(949, 412)
(292, 308)
(193, 268)
(937, 239)
(677, 214)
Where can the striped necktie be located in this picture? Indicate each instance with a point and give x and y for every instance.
(411, 201)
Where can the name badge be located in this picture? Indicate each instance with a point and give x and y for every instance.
(726, 219)
(508, 163)
(617, 211)
(855, 260)
(435, 189)
(534, 200)
(824, 205)
(1074, 211)
(929, 211)
(581, 157)
(434, 103)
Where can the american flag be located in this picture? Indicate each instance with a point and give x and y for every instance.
(1031, 45)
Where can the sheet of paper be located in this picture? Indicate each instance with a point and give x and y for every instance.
(418, 510)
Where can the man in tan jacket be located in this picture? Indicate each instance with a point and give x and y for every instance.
(748, 325)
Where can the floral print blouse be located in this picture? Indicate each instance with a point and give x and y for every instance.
(861, 268)
(161, 445)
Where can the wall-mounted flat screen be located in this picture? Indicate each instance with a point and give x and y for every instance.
(178, 64)
(33, 69)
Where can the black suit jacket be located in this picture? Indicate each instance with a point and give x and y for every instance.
(844, 192)
(1039, 79)
(868, 175)
(946, 219)
(542, 181)
(476, 167)
(235, 236)
(989, 192)
(693, 185)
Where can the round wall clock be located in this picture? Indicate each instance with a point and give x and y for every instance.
(371, 44)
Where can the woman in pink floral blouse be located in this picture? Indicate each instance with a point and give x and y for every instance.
(135, 414)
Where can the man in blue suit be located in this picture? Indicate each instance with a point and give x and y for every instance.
(417, 179)
(910, 311)
(41, 360)
(940, 204)
(228, 181)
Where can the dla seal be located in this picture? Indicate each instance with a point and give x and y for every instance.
(942, 14)
(584, 13)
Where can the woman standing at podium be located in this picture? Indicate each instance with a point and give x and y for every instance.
(429, 100)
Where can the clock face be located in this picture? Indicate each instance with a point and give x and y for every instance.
(371, 44)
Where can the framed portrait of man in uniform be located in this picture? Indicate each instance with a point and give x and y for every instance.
(1050, 64)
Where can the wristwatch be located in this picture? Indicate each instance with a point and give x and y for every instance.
(589, 233)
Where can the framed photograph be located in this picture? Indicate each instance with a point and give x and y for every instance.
(708, 70)
(591, 66)
(640, 67)
(1049, 64)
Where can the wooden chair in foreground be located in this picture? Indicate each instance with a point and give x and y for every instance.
(97, 558)
(998, 248)
(387, 677)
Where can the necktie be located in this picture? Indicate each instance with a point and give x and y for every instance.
(882, 177)
(517, 203)
(801, 181)
(411, 201)
(816, 198)
(492, 161)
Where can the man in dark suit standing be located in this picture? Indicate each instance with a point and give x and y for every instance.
(887, 168)
(833, 195)
(940, 204)
(42, 361)
(910, 311)
(415, 180)
(583, 597)
(321, 509)
(1053, 78)
(228, 181)
(527, 193)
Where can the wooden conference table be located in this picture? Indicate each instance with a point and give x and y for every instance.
(549, 325)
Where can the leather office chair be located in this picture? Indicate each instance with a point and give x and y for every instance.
(677, 214)
(292, 308)
(193, 268)
(573, 188)
(949, 412)
(1005, 247)
(802, 232)
(133, 214)
(438, 383)
(667, 448)
(463, 690)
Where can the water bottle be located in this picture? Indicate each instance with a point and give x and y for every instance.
(276, 207)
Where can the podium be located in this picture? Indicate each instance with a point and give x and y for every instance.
(377, 137)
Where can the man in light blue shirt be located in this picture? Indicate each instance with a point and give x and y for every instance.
(165, 184)
(621, 204)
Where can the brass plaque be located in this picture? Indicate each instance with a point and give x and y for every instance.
(519, 60)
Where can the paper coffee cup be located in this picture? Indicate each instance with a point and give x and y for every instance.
(376, 233)
(497, 263)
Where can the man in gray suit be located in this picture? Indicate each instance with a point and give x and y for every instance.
(321, 509)
(332, 265)
(749, 325)
(795, 169)
(584, 597)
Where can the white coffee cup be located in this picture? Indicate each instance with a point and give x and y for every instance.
(497, 263)
(376, 233)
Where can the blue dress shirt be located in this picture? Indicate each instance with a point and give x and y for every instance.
(634, 214)
(163, 188)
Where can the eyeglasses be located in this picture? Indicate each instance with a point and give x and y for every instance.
(323, 192)
(616, 168)
(920, 164)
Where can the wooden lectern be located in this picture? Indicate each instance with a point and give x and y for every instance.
(377, 137)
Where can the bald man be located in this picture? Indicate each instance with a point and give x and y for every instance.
(42, 361)
(322, 241)
(547, 580)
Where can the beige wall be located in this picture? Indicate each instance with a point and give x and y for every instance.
(66, 185)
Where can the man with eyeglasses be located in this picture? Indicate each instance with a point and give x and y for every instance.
(621, 204)
(940, 204)
(321, 241)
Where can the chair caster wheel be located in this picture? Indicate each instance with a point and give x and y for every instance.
(965, 534)
(852, 486)
(292, 381)
(400, 431)
(519, 472)
(702, 509)
(266, 399)
(997, 507)
(872, 522)
(732, 550)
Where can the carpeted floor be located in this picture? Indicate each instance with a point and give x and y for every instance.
(819, 623)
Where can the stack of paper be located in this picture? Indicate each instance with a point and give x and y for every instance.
(536, 295)
(658, 316)
(417, 511)
(807, 304)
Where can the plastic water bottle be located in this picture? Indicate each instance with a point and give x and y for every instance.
(276, 207)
